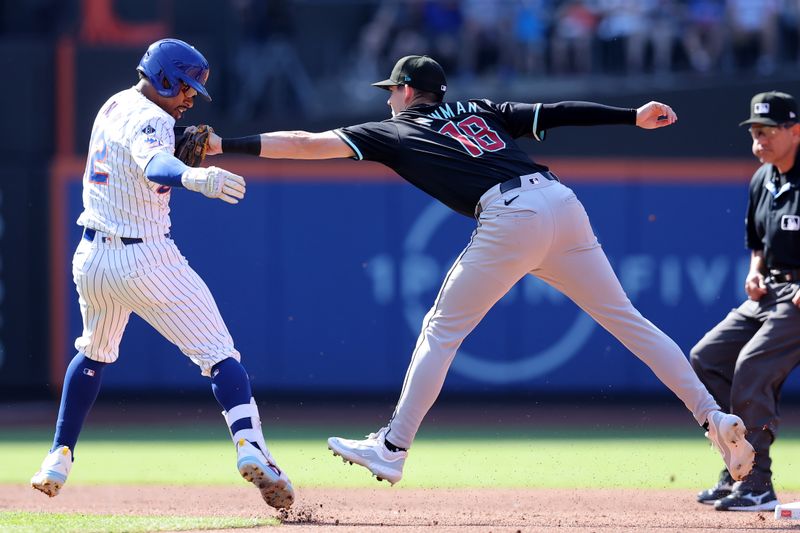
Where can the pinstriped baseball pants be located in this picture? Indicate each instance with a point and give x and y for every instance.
(153, 280)
(540, 229)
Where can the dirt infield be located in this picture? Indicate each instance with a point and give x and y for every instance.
(397, 509)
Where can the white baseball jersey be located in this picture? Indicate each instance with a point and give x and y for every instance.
(117, 198)
(126, 264)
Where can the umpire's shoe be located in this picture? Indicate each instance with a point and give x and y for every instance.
(749, 496)
(260, 469)
(727, 434)
(723, 487)
(54, 471)
(372, 454)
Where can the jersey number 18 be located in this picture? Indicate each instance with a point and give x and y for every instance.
(474, 135)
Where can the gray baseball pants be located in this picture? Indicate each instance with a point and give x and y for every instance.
(744, 361)
(542, 229)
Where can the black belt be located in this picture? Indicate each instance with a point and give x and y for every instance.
(784, 276)
(89, 235)
(515, 183)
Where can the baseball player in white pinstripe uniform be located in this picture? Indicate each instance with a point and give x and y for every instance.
(126, 262)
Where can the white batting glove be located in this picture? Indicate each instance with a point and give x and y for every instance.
(215, 182)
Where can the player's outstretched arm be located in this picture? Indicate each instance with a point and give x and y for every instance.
(212, 181)
(215, 182)
(577, 113)
(283, 145)
(654, 115)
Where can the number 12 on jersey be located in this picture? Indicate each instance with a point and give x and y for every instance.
(474, 135)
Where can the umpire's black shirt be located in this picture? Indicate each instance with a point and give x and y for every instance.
(457, 151)
(773, 216)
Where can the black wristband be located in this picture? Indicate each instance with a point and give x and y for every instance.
(250, 145)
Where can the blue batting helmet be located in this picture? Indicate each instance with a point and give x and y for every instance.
(170, 61)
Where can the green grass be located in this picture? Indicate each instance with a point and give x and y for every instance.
(593, 457)
(22, 522)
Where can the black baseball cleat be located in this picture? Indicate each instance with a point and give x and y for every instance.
(748, 497)
(723, 487)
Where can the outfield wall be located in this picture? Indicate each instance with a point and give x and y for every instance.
(324, 272)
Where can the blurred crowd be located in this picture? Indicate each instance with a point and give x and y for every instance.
(297, 56)
(564, 37)
(500, 41)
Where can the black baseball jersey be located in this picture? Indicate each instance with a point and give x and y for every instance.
(456, 151)
(773, 216)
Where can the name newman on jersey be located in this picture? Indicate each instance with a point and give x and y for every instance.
(444, 111)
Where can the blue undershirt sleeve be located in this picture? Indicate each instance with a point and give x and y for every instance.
(165, 169)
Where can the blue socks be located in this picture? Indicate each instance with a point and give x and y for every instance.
(81, 385)
(231, 387)
(229, 383)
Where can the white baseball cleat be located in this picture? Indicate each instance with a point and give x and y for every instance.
(727, 433)
(260, 469)
(54, 471)
(372, 454)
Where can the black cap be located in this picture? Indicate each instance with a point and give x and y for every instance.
(772, 109)
(420, 72)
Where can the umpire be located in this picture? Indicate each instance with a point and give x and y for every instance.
(746, 358)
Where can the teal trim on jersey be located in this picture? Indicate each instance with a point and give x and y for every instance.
(540, 135)
(343, 137)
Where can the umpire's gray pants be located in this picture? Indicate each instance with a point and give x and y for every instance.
(746, 358)
(539, 229)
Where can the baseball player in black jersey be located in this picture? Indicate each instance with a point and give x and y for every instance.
(745, 359)
(465, 155)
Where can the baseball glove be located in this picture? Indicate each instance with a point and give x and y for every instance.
(192, 143)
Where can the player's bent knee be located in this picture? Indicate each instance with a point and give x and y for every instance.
(103, 358)
(696, 357)
(207, 362)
